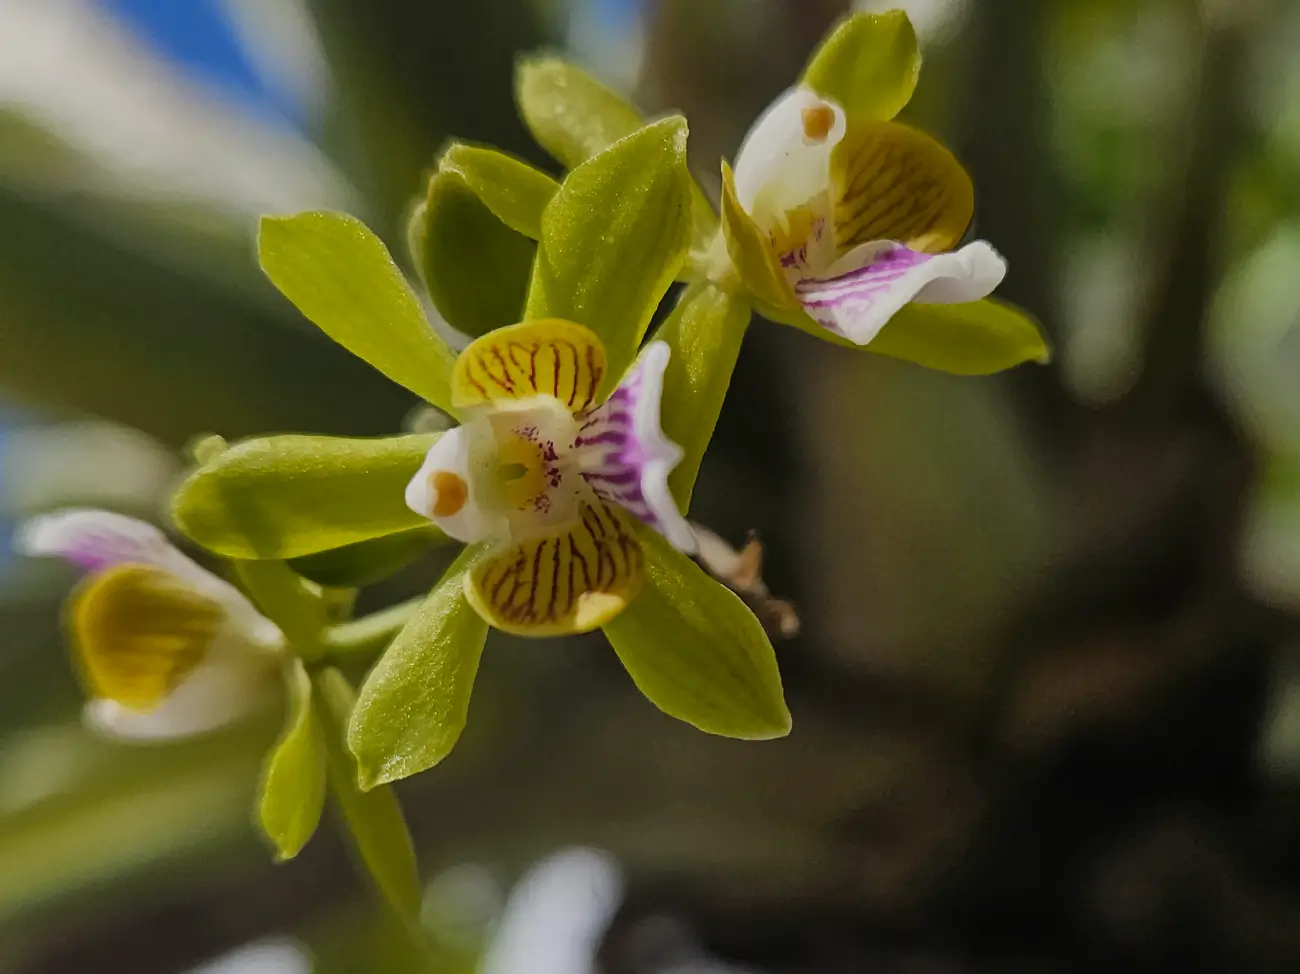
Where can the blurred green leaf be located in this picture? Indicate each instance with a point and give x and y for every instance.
(869, 65)
(697, 652)
(293, 778)
(288, 496)
(614, 238)
(414, 703)
(514, 191)
(750, 251)
(341, 277)
(374, 818)
(475, 267)
(705, 332)
(978, 338)
(367, 562)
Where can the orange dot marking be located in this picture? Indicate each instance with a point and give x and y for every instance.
(449, 493)
(818, 120)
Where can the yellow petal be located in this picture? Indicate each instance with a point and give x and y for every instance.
(562, 584)
(139, 632)
(894, 182)
(549, 356)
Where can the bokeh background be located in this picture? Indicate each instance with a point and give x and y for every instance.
(1047, 690)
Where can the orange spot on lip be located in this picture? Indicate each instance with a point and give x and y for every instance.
(450, 492)
(818, 120)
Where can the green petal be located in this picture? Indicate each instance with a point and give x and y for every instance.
(514, 191)
(868, 65)
(573, 116)
(751, 253)
(614, 238)
(704, 332)
(978, 338)
(367, 562)
(415, 701)
(475, 267)
(292, 793)
(288, 496)
(697, 652)
(341, 277)
(374, 818)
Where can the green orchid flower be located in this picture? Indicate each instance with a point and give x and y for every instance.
(564, 479)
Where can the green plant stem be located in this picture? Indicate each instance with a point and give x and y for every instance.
(369, 634)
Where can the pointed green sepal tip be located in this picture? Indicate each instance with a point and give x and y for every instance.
(415, 702)
(697, 652)
(977, 338)
(869, 64)
(289, 496)
(342, 278)
(291, 795)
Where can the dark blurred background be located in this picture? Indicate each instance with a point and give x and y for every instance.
(1047, 692)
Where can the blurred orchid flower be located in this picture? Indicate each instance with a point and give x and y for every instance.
(166, 648)
(552, 476)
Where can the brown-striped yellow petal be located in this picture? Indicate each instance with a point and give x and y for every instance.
(138, 632)
(549, 356)
(561, 584)
(894, 182)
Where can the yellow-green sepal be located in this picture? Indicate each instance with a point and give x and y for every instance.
(291, 794)
(514, 191)
(614, 238)
(374, 818)
(288, 496)
(697, 652)
(704, 331)
(868, 65)
(475, 267)
(342, 278)
(414, 703)
(975, 338)
(752, 260)
(573, 116)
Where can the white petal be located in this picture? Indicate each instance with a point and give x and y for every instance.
(95, 540)
(779, 167)
(230, 684)
(452, 457)
(625, 455)
(873, 282)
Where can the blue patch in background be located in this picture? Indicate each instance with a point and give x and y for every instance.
(196, 35)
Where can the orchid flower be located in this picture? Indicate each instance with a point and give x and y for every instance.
(855, 215)
(166, 648)
(862, 216)
(551, 478)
